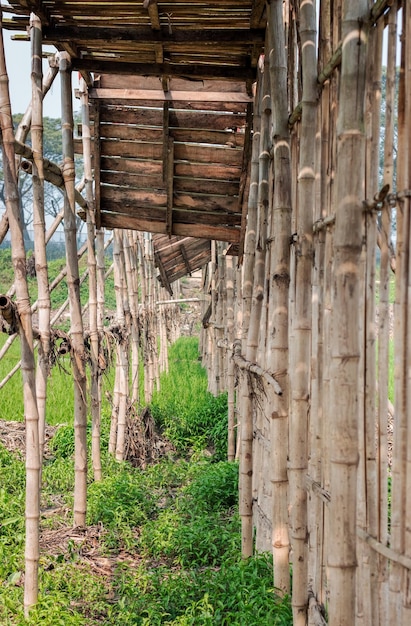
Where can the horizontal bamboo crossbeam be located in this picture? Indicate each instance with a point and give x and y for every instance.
(52, 172)
(384, 550)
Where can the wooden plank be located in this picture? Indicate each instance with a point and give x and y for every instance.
(258, 17)
(96, 159)
(132, 149)
(220, 172)
(199, 202)
(163, 274)
(185, 135)
(206, 154)
(153, 14)
(152, 95)
(183, 119)
(223, 188)
(186, 259)
(113, 81)
(169, 185)
(138, 181)
(221, 233)
(127, 132)
(130, 197)
(143, 34)
(207, 170)
(165, 138)
(143, 168)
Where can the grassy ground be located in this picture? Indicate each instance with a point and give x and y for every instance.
(162, 544)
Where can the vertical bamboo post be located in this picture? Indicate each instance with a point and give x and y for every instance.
(43, 305)
(230, 365)
(121, 333)
(342, 559)
(132, 287)
(246, 435)
(280, 232)
(384, 316)
(76, 332)
(300, 356)
(95, 388)
(26, 339)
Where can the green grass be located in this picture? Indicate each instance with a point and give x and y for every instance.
(171, 533)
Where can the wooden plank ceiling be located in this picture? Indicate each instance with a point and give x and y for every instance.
(170, 86)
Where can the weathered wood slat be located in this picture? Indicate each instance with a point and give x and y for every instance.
(143, 168)
(142, 34)
(111, 220)
(201, 154)
(183, 119)
(132, 149)
(151, 95)
(192, 135)
(130, 197)
(125, 179)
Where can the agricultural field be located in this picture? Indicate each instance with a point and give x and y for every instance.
(162, 544)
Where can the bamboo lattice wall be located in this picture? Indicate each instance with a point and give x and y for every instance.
(307, 318)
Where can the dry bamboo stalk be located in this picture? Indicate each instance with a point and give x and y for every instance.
(246, 421)
(300, 356)
(95, 387)
(220, 327)
(26, 339)
(367, 508)
(406, 575)
(342, 559)
(230, 366)
(400, 338)
(76, 331)
(279, 268)
(384, 319)
(132, 287)
(253, 419)
(121, 380)
(43, 368)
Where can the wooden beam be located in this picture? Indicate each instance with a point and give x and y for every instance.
(142, 34)
(163, 274)
(97, 157)
(220, 233)
(152, 8)
(185, 257)
(169, 96)
(169, 185)
(258, 17)
(194, 70)
(166, 134)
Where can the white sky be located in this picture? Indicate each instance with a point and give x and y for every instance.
(18, 63)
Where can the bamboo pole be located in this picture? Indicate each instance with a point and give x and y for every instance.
(130, 258)
(43, 302)
(121, 380)
(300, 356)
(95, 388)
(279, 233)
(230, 277)
(76, 331)
(32, 509)
(342, 559)
(384, 316)
(246, 435)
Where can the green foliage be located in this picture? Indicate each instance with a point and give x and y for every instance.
(190, 416)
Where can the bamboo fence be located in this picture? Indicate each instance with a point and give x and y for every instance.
(300, 331)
